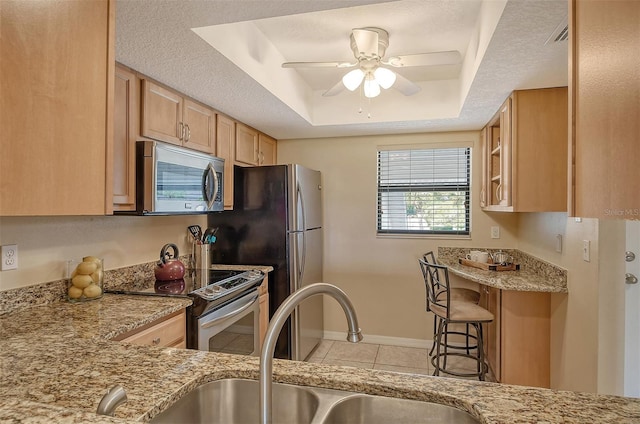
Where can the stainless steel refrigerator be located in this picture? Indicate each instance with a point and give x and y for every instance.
(277, 220)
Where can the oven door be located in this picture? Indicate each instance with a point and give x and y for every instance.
(232, 328)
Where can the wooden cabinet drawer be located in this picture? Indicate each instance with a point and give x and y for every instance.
(167, 332)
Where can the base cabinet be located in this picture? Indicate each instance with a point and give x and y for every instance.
(169, 331)
(517, 342)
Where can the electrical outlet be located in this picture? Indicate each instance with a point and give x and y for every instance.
(559, 243)
(9, 257)
(586, 250)
(495, 232)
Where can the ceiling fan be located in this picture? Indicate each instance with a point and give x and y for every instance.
(369, 45)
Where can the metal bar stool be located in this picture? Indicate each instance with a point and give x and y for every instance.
(449, 311)
(457, 294)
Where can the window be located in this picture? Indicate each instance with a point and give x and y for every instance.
(424, 191)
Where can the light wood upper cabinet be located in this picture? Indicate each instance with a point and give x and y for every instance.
(266, 150)
(604, 92)
(253, 147)
(161, 113)
(126, 119)
(56, 107)
(170, 117)
(199, 127)
(246, 150)
(525, 154)
(226, 135)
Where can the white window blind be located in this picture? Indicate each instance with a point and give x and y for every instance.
(424, 191)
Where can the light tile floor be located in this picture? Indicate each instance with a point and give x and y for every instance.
(382, 357)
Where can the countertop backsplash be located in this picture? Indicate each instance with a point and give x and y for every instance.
(56, 291)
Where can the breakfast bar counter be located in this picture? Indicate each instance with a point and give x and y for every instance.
(534, 274)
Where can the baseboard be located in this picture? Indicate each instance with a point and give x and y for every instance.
(383, 340)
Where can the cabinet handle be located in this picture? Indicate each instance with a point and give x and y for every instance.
(499, 192)
(180, 130)
(156, 341)
(188, 131)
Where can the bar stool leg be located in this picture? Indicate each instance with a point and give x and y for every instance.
(481, 371)
(436, 363)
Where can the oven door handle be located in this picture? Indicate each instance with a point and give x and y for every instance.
(206, 323)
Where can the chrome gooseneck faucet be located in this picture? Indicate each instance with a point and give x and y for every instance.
(110, 401)
(279, 317)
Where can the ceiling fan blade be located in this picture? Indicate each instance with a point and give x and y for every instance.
(366, 41)
(451, 57)
(319, 64)
(336, 89)
(405, 86)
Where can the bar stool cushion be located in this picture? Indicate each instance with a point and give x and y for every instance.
(463, 312)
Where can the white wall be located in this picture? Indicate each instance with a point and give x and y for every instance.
(380, 274)
(382, 277)
(45, 243)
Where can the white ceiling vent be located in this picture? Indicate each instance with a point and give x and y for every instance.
(561, 33)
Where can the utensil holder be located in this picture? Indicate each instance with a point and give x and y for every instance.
(202, 256)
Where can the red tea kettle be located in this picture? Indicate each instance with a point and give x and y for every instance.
(169, 266)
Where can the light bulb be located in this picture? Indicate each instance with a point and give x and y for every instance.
(371, 87)
(385, 77)
(353, 79)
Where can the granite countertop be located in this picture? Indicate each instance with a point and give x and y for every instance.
(534, 275)
(57, 362)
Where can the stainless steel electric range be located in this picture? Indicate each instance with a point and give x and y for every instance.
(225, 310)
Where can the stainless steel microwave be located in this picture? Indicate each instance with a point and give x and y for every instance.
(174, 180)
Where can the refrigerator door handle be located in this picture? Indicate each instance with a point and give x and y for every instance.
(301, 262)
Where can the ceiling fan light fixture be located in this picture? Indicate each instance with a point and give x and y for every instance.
(353, 79)
(385, 77)
(371, 87)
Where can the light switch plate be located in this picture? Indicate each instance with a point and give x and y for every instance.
(9, 257)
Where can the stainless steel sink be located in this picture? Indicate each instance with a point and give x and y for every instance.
(384, 410)
(236, 401)
(232, 401)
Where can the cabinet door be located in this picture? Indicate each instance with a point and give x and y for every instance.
(525, 338)
(226, 139)
(246, 150)
(165, 332)
(503, 190)
(605, 181)
(484, 181)
(199, 127)
(126, 117)
(161, 113)
(267, 147)
(56, 107)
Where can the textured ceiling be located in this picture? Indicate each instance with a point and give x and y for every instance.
(503, 47)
